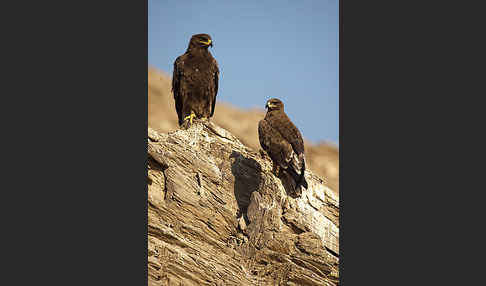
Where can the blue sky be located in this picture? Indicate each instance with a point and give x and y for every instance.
(283, 49)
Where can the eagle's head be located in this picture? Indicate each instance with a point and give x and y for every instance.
(274, 104)
(201, 41)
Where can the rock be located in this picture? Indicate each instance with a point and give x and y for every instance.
(242, 224)
(218, 216)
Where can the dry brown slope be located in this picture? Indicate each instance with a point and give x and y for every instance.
(323, 158)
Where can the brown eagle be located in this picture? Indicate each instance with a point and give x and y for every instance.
(284, 144)
(195, 81)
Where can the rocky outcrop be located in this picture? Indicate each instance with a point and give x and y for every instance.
(218, 216)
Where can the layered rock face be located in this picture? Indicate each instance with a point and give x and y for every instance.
(218, 216)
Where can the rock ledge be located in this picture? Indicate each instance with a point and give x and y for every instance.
(218, 216)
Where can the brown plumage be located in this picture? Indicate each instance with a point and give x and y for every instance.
(283, 143)
(195, 80)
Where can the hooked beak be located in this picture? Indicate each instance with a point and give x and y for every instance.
(208, 43)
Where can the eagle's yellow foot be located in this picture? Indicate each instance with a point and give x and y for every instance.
(190, 117)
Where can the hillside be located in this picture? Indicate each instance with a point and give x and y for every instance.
(322, 158)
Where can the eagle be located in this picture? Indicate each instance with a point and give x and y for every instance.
(283, 142)
(195, 81)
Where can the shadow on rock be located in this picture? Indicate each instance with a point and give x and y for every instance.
(247, 173)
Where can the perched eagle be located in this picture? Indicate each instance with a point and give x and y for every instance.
(284, 144)
(195, 81)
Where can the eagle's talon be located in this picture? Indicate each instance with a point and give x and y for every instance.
(190, 117)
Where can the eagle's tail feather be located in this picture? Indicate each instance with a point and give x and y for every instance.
(299, 178)
(302, 181)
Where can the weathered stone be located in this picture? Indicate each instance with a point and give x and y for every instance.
(242, 224)
(218, 216)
